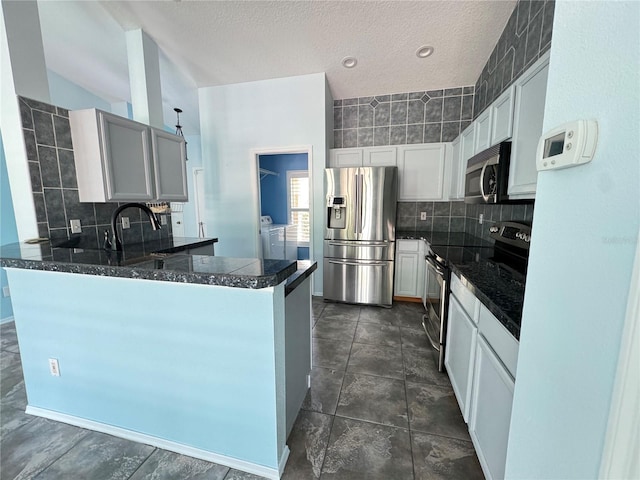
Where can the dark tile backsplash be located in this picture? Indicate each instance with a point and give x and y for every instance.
(416, 117)
(47, 137)
(524, 39)
(458, 216)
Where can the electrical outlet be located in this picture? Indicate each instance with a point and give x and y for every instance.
(54, 368)
(423, 215)
(481, 218)
(125, 223)
(75, 226)
(163, 219)
(6, 292)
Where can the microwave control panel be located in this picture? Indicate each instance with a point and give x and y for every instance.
(568, 145)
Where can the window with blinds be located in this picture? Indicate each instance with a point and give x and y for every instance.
(298, 202)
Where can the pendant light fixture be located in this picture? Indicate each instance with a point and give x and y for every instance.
(179, 131)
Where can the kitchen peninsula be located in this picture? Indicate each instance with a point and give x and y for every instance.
(206, 356)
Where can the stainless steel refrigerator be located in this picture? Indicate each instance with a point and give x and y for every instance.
(359, 245)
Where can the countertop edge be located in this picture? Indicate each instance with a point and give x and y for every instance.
(298, 277)
(222, 279)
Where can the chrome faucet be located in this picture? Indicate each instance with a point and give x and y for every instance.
(116, 244)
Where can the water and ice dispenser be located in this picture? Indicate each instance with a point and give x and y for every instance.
(337, 212)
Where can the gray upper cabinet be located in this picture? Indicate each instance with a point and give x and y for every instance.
(170, 163)
(119, 160)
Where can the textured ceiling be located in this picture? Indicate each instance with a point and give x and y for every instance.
(229, 42)
(222, 42)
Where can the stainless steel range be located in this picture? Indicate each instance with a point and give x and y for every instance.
(510, 252)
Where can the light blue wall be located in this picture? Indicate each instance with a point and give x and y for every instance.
(68, 95)
(263, 115)
(199, 365)
(585, 235)
(8, 231)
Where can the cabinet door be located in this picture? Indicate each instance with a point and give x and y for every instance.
(530, 93)
(127, 159)
(170, 166)
(460, 353)
(345, 157)
(483, 131)
(379, 157)
(406, 275)
(458, 166)
(421, 172)
(502, 113)
(467, 140)
(491, 402)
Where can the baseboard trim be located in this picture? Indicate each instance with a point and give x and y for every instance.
(6, 320)
(408, 299)
(230, 462)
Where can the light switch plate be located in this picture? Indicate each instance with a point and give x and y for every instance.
(125, 222)
(423, 215)
(75, 226)
(54, 368)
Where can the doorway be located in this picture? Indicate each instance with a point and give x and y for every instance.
(285, 204)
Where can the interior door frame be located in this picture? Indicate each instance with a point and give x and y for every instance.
(255, 153)
(199, 209)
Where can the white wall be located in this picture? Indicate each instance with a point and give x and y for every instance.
(267, 114)
(585, 234)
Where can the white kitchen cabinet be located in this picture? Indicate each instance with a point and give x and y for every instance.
(502, 117)
(530, 92)
(483, 131)
(458, 167)
(460, 353)
(379, 157)
(467, 143)
(421, 171)
(345, 157)
(119, 160)
(363, 157)
(409, 268)
(490, 417)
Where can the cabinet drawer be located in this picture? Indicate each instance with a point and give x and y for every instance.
(501, 341)
(465, 298)
(408, 245)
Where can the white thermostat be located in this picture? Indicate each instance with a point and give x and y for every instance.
(568, 145)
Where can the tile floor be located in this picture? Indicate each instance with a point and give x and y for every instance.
(377, 409)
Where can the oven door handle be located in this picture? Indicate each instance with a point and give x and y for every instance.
(425, 318)
(432, 261)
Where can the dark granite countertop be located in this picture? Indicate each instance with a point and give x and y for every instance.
(498, 288)
(157, 260)
(305, 269)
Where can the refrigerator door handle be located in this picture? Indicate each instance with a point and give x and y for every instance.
(360, 244)
(357, 206)
(361, 200)
(360, 264)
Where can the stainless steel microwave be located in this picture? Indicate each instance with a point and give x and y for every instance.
(487, 175)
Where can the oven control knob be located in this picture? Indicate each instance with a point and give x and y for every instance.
(519, 235)
(526, 238)
(493, 229)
